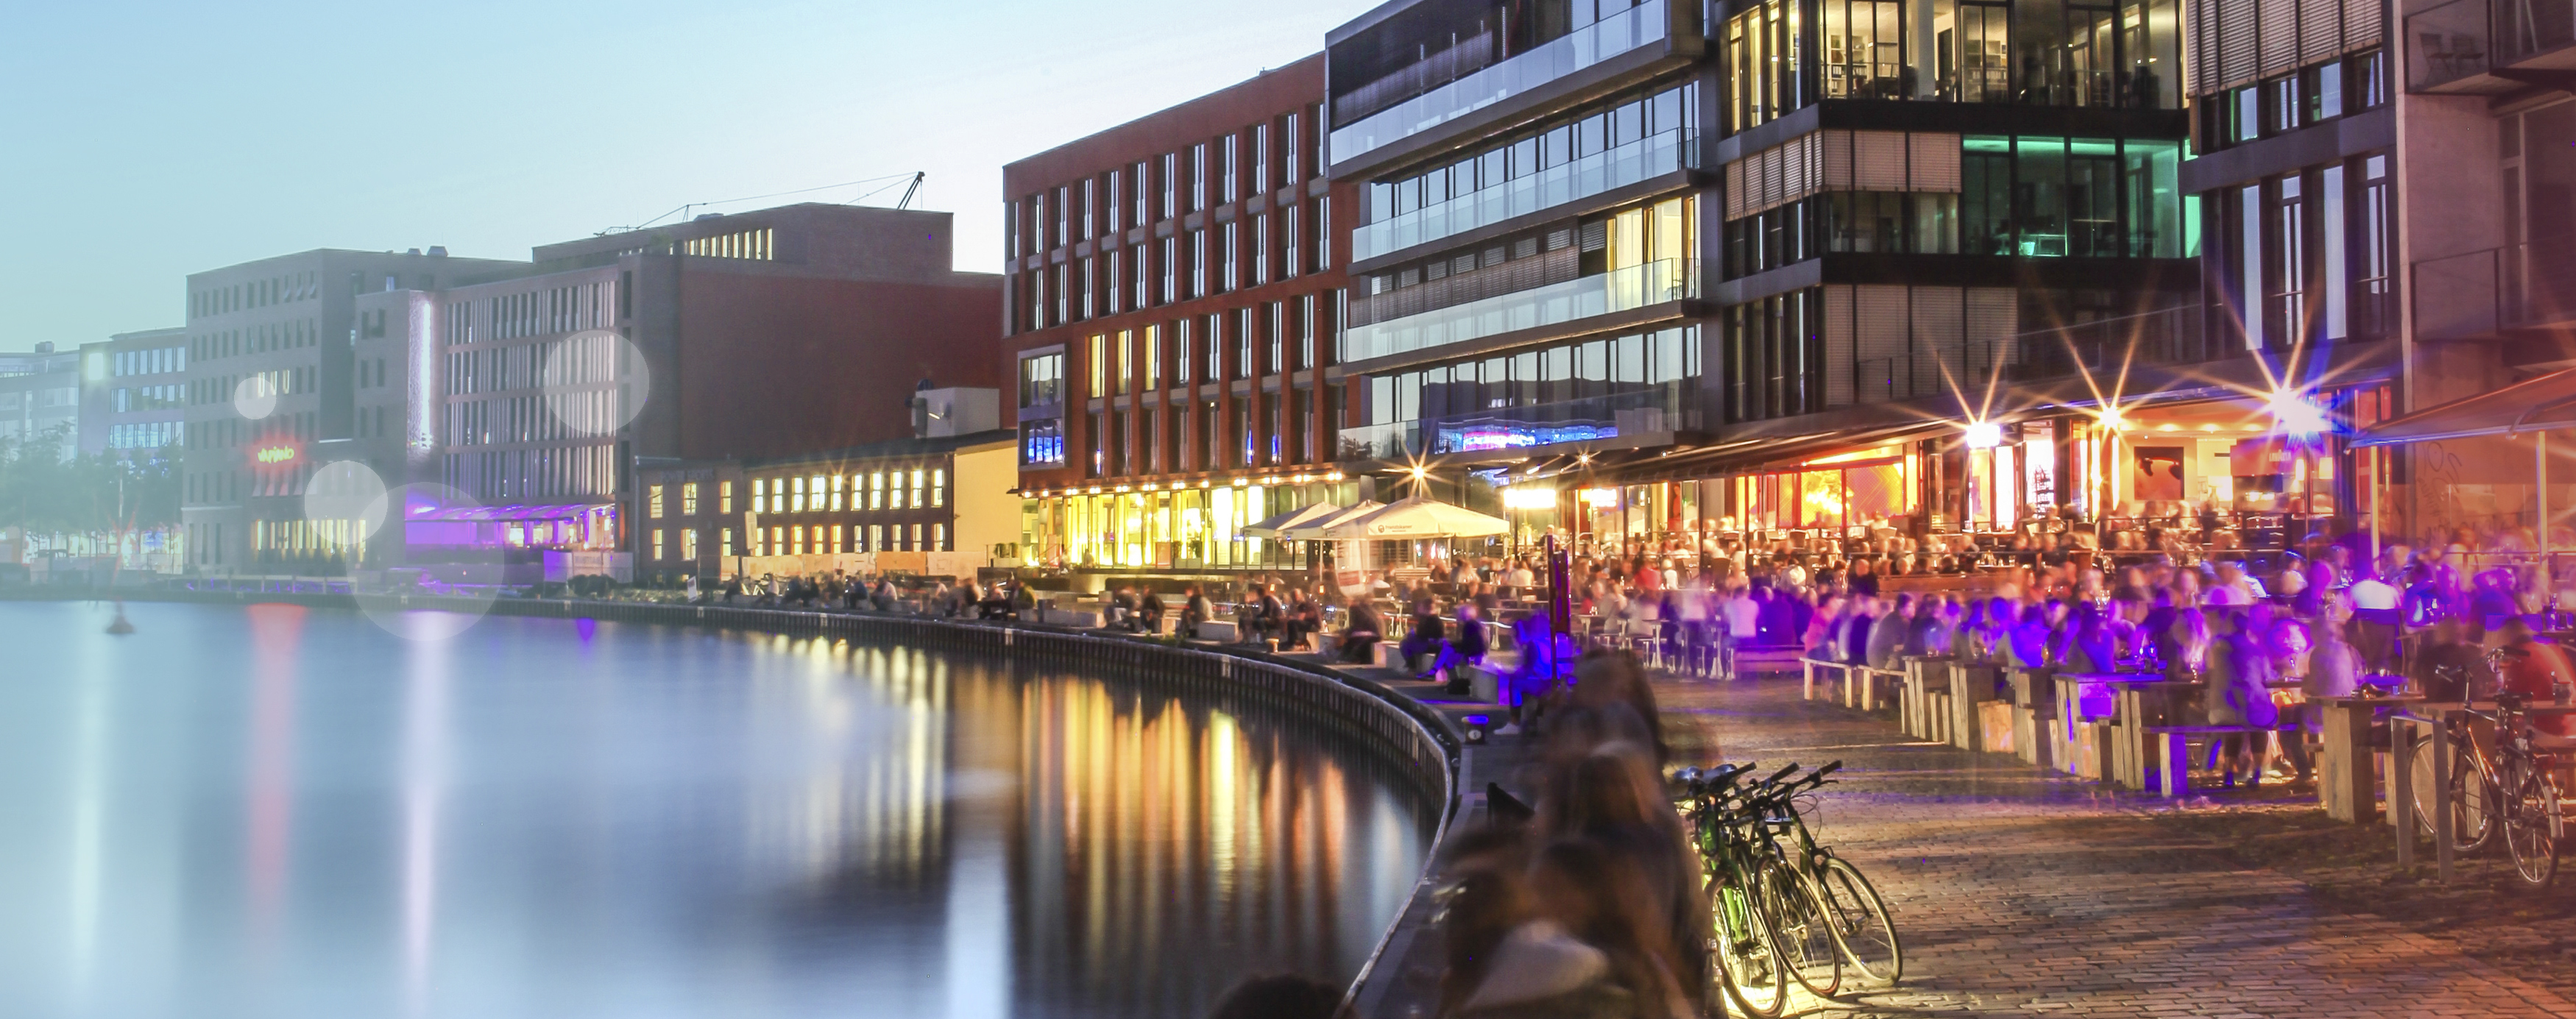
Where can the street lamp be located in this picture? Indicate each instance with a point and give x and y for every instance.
(1983, 435)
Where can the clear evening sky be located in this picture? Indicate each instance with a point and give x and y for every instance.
(142, 141)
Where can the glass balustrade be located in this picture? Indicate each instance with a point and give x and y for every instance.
(1659, 408)
(1646, 157)
(1574, 51)
(1636, 286)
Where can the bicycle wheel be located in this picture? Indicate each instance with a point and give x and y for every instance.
(1740, 937)
(2473, 802)
(1861, 926)
(1802, 929)
(2531, 826)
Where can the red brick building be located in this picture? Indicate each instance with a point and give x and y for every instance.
(1173, 303)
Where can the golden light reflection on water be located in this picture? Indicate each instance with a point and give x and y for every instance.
(1157, 850)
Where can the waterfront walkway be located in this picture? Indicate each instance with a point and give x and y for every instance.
(2023, 892)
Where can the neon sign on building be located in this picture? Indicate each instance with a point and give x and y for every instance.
(274, 454)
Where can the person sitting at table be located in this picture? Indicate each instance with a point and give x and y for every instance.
(1194, 610)
(1887, 635)
(2029, 638)
(1426, 637)
(1852, 643)
(2088, 646)
(2240, 693)
(2534, 669)
(1361, 634)
(1149, 612)
(1464, 644)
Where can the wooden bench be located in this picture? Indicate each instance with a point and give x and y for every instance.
(1838, 679)
(2170, 751)
(2034, 708)
(1972, 687)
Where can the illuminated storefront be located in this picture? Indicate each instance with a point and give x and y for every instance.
(572, 527)
(1176, 527)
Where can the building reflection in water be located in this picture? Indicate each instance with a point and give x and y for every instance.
(1100, 848)
(276, 813)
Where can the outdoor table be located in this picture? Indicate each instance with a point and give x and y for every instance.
(2347, 777)
(2434, 717)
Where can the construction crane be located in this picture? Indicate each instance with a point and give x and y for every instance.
(914, 189)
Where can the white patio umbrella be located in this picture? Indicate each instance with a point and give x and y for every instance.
(1273, 527)
(1418, 517)
(1313, 530)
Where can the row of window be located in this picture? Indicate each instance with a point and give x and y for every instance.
(276, 382)
(1566, 372)
(1265, 339)
(545, 312)
(1255, 160)
(2022, 196)
(302, 286)
(255, 340)
(145, 435)
(1605, 126)
(2287, 103)
(155, 361)
(553, 472)
(1262, 429)
(820, 493)
(819, 539)
(1248, 252)
(2311, 255)
(2065, 53)
(167, 397)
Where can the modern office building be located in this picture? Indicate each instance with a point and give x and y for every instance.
(40, 397)
(133, 392)
(270, 374)
(531, 395)
(1660, 259)
(1174, 321)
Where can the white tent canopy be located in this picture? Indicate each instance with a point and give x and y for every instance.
(1273, 527)
(1314, 530)
(1418, 517)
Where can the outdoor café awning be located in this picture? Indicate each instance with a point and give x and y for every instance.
(1272, 527)
(1314, 530)
(2540, 402)
(1420, 517)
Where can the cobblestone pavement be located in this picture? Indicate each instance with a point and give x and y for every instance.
(2021, 892)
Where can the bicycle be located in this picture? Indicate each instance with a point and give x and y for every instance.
(1783, 907)
(1863, 932)
(2511, 788)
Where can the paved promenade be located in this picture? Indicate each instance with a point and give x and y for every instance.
(2019, 892)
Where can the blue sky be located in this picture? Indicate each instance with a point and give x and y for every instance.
(142, 141)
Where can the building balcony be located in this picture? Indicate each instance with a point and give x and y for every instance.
(1379, 123)
(1661, 410)
(1628, 289)
(2484, 295)
(2491, 47)
(1601, 172)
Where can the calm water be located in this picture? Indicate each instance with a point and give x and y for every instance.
(275, 812)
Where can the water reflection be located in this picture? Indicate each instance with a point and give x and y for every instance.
(281, 812)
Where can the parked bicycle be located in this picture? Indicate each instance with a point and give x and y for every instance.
(2500, 784)
(1783, 907)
